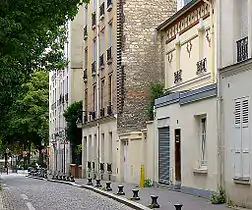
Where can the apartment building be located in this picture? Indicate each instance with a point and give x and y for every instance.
(65, 87)
(121, 58)
(185, 124)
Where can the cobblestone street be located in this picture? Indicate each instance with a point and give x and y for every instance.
(21, 193)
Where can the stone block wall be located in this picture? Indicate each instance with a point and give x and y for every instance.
(141, 57)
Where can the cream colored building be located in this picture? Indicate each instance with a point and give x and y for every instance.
(65, 87)
(235, 92)
(120, 60)
(185, 124)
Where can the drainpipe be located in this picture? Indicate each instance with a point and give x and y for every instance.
(210, 3)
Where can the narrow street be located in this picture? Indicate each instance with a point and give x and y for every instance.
(21, 193)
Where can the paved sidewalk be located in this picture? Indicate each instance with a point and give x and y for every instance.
(167, 198)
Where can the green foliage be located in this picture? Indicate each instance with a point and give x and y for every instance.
(78, 149)
(156, 91)
(148, 183)
(32, 36)
(219, 197)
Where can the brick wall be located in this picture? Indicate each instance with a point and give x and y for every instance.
(141, 55)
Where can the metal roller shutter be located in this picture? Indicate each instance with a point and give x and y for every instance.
(164, 155)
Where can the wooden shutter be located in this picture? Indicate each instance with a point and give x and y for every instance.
(237, 138)
(245, 137)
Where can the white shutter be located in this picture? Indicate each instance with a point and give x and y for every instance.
(237, 139)
(245, 138)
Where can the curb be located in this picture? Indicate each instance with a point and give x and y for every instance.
(117, 198)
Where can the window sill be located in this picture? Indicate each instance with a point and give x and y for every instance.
(242, 180)
(200, 171)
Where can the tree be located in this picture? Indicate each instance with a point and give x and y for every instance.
(74, 134)
(32, 36)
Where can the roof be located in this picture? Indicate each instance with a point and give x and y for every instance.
(178, 14)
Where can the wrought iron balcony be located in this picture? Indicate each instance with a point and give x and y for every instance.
(242, 49)
(109, 55)
(85, 75)
(93, 20)
(94, 68)
(201, 66)
(109, 167)
(102, 112)
(102, 166)
(101, 61)
(109, 110)
(102, 10)
(109, 5)
(85, 33)
(178, 76)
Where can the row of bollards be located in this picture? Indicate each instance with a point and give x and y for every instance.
(63, 177)
(135, 197)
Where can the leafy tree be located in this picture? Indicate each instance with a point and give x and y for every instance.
(74, 134)
(156, 91)
(32, 35)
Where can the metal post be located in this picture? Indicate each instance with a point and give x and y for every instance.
(62, 161)
(64, 157)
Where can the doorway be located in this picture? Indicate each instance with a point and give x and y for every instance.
(178, 155)
(125, 159)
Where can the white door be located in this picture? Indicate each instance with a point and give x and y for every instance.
(125, 159)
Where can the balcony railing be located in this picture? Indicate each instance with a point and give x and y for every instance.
(85, 75)
(201, 66)
(93, 115)
(94, 68)
(93, 20)
(102, 166)
(178, 76)
(101, 61)
(102, 10)
(109, 110)
(242, 49)
(109, 5)
(109, 55)
(109, 167)
(85, 32)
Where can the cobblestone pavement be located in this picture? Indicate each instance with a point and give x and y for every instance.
(21, 193)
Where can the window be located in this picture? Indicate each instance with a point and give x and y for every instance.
(110, 89)
(86, 15)
(86, 100)
(95, 5)
(102, 93)
(95, 50)
(102, 46)
(241, 138)
(203, 141)
(86, 58)
(110, 31)
(94, 98)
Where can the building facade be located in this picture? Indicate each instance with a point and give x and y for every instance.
(185, 127)
(65, 87)
(235, 66)
(121, 58)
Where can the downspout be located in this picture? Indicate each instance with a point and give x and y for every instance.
(210, 3)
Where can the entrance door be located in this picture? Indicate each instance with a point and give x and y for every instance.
(125, 160)
(177, 156)
(164, 155)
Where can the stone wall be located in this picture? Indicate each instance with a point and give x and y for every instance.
(141, 57)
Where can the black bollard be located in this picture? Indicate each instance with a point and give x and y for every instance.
(72, 178)
(120, 190)
(64, 177)
(98, 183)
(178, 206)
(135, 195)
(154, 203)
(90, 183)
(108, 186)
(68, 178)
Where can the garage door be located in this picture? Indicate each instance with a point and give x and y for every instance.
(164, 155)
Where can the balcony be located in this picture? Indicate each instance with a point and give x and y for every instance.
(93, 20)
(85, 33)
(201, 66)
(178, 76)
(242, 49)
(85, 75)
(102, 112)
(101, 61)
(102, 167)
(109, 167)
(94, 68)
(109, 55)
(102, 10)
(109, 5)
(109, 110)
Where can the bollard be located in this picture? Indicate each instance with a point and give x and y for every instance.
(68, 178)
(64, 177)
(154, 203)
(72, 178)
(108, 187)
(120, 190)
(178, 206)
(98, 183)
(90, 183)
(135, 195)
